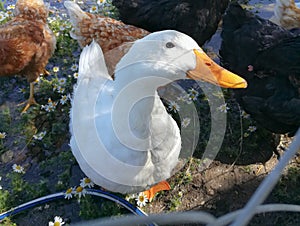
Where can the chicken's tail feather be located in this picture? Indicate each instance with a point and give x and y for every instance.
(77, 15)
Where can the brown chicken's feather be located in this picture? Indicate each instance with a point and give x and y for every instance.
(286, 14)
(107, 32)
(26, 42)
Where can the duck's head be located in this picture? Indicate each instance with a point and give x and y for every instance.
(178, 56)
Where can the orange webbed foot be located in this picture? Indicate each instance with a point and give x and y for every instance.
(161, 186)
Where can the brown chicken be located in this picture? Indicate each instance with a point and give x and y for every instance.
(286, 14)
(26, 43)
(107, 32)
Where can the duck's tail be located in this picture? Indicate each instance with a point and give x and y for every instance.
(78, 19)
(92, 63)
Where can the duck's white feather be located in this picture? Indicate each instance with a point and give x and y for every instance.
(123, 141)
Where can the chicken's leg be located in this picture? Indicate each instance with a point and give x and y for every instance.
(31, 100)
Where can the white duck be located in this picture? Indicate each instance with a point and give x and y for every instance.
(122, 135)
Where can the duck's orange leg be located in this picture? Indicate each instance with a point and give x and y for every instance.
(161, 186)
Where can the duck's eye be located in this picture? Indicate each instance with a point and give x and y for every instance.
(170, 45)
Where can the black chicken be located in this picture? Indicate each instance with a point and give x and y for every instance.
(196, 18)
(267, 56)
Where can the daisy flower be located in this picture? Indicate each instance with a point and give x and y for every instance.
(74, 67)
(86, 182)
(245, 115)
(181, 98)
(2, 16)
(0, 185)
(60, 89)
(18, 168)
(40, 135)
(246, 134)
(80, 191)
(9, 13)
(101, 2)
(193, 92)
(185, 122)
(10, 7)
(94, 9)
(69, 193)
(58, 221)
(64, 99)
(75, 75)
(251, 129)
(129, 197)
(55, 69)
(50, 106)
(62, 81)
(173, 106)
(2, 135)
(22, 90)
(141, 200)
(192, 97)
(223, 108)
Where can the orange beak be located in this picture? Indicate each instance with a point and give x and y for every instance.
(207, 70)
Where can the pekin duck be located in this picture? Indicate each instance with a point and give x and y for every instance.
(287, 14)
(122, 136)
(196, 18)
(267, 56)
(26, 43)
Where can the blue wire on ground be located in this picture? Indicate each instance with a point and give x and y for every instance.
(61, 195)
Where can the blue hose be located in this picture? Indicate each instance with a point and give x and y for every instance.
(61, 195)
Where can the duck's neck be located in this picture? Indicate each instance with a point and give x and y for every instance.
(136, 99)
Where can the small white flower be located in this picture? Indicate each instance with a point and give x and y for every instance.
(244, 114)
(60, 89)
(94, 9)
(86, 182)
(22, 90)
(101, 2)
(18, 168)
(193, 92)
(75, 75)
(141, 200)
(173, 106)
(181, 98)
(129, 197)
(64, 99)
(223, 108)
(9, 7)
(40, 135)
(2, 135)
(80, 191)
(69, 193)
(50, 106)
(55, 69)
(62, 81)
(192, 97)
(74, 67)
(2, 16)
(9, 13)
(58, 221)
(251, 129)
(185, 122)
